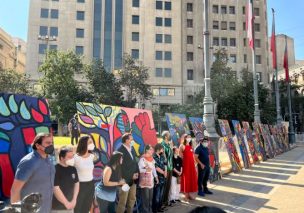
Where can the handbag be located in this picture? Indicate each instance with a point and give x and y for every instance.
(146, 180)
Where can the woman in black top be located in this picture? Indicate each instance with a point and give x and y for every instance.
(177, 172)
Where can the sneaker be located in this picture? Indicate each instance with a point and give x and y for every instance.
(173, 201)
(201, 193)
(208, 192)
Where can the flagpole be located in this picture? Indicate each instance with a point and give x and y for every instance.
(277, 92)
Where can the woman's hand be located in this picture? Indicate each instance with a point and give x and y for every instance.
(121, 182)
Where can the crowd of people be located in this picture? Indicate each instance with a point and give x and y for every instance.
(158, 177)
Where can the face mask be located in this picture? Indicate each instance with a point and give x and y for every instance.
(189, 140)
(49, 150)
(205, 144)
(132, 143)
(70, 162)
(161, 153)
(91, 147)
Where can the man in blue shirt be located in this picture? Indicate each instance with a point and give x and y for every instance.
(202, 158)
(35, 173)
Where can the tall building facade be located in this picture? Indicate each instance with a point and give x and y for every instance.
(164, 35)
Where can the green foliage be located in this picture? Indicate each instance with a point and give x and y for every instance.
(103, 85)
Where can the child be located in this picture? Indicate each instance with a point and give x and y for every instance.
(177, 172)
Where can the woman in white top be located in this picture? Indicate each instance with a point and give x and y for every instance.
(84, 164)
(146, 178)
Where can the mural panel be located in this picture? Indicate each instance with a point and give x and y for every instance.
(178, 126)
(253, 147)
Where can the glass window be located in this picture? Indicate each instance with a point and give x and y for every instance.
(135, 3)
(135, 53)
(224, 42)
(43, 30)
(190, 75)
(159, 5)
(231, 10)
(168, 73)
(233, 58)
(167, 5)
(257, 27)
(258, 59)
(215, 9)
(224, 25)
(168, 22)
(168, 55)
(163, 92)
(53, 47)
(135, 19)
(189, 56)
(231, 25)
(158, 55)
(232, 42)
(189, 7)
(159, 38)
(190, 23)
(245, 42)
(42, 48)
(44, 13)
(215, 25)
(244, 26)
(224, 9)
(158, 72)
(54, 31)
(80, 15)
(79, 50)
(54, 14)
(80, 1)
(216, 41)
(244, 10)
(79, 33)
(159, 21)
(168, 39)
(257, 43)
(245, 58)
(256, 11)
(189, 39)
(135, 36)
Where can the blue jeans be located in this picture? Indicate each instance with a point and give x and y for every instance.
(157, 197)
(203, 176)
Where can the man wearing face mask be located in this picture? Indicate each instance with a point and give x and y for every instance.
(66, 186)
(35, 173)
(202, 158)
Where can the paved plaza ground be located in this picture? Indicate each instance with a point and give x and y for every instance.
(276, 185)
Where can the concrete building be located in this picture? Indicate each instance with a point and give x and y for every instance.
(164, 35)
(12, 52)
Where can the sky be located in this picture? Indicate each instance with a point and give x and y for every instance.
(289, 19)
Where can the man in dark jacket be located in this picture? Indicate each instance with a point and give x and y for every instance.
(129, 172)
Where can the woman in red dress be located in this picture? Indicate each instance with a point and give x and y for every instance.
(189, 175)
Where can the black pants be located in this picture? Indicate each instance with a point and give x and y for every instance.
(106, 206)
(85, 197)
(203, 176)
(167, 187)
(157, 197)
(74, 135)
(146, 200)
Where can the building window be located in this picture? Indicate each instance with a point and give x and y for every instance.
(168, 73)
(189, 39)
(245, 42)
(163, 92)
(158, 72)
(54, 14)
(258, 59)
(79, 50)
(135, 19)
(80, 1)
(190, 75)
(189, 56)
(44, 13)
(159, 38)
(135, 36)
(215, 9)
(215, 25)
(256, 11)
(231, 25)
(135, 3)
(231, 10)
(168, 39)
(43, 31)
(159, 5)
(80, 15)
(224, 42)
(190, 23)
(53, 47)
(158, 21)
(167, 5)
(135, 53)
(244, 10)
(224, 9)
(158, 55)
(224, 25)
(233, 58)
(168, 55)
(54, 31)
(257, 27)
(42, 48)
(232, 42)
(216, 41)
(79, 33)
(245, 58)
(189, 7)
(168, 22)
(244, 26)
(257, 43)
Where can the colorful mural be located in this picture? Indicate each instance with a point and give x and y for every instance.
(267, 143)
(259, 140)
(21, 118)
(178, 126)
(198, 130)
(106, 124)
(253, 147)
(283, 135)
(232, 151)
(241, 141)
(274, 136)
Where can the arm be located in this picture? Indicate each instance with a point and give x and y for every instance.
(61, 198)
(198, 161)
(181, 148)
(15, 191)
(70, 127)
(106, 178)
(75, 194)
(141, 165)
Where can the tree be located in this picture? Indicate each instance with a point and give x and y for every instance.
(13, 82)
(132, 78)
(103, 85)
(59, 84)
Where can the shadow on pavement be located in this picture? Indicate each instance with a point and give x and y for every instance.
(274, 170)
(265, 175)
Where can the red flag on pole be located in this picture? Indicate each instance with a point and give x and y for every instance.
(249, 23)
(285, 64)
(273, 46)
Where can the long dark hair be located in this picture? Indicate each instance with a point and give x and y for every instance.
(115, 162)
(82, 146)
